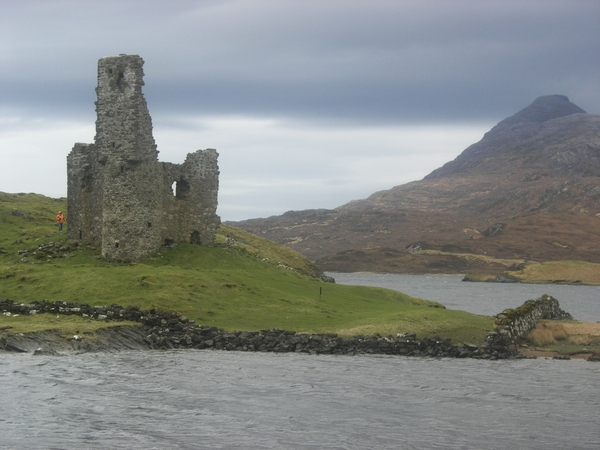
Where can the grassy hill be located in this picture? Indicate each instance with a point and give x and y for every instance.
(253, 284)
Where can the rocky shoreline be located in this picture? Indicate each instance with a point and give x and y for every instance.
(170, 330)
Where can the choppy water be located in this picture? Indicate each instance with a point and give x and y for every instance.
(583, 302)
(215, 399)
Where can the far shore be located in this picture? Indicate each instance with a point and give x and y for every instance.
(477, 279)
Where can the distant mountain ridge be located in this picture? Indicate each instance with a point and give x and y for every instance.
(535, 177)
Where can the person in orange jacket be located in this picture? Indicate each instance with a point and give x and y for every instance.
(60, 219)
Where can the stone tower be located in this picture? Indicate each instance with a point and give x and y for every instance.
(120, 197)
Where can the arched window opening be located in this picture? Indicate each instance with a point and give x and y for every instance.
(195, 237)
(120, 81)
(182, 189)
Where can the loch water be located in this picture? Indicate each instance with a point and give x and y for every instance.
(488, 299)
(196, 399)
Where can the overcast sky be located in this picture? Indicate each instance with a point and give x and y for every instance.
(310, 104)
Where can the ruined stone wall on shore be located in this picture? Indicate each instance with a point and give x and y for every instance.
(513, 325)
(171, 330)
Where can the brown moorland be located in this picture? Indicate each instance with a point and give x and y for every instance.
(579, 340)
(529, 191)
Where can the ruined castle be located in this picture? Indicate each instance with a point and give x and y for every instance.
(120, 197)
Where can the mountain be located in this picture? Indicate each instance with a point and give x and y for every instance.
(528, 191)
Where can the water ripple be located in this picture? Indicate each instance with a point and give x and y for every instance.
(208, 399)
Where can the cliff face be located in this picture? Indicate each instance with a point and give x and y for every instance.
(534, 178)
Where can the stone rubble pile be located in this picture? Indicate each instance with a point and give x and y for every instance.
(46, 252)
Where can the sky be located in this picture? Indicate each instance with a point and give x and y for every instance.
(310, 104)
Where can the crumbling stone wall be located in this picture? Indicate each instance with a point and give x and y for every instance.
(513, 325)
(120, 197)
(168, 330)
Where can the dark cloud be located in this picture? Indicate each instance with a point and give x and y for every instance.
(382, 61)
(326, 68)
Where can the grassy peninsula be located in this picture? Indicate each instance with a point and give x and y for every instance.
(551, 272)
(250, 285)
(247, 284)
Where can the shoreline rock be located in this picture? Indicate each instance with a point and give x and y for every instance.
(51, 343)
(501, 278)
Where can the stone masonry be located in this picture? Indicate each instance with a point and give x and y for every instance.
(169, 329)
(120, 197)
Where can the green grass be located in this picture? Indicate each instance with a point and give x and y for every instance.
(66, 326)
(253, 285)
(27, 217)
